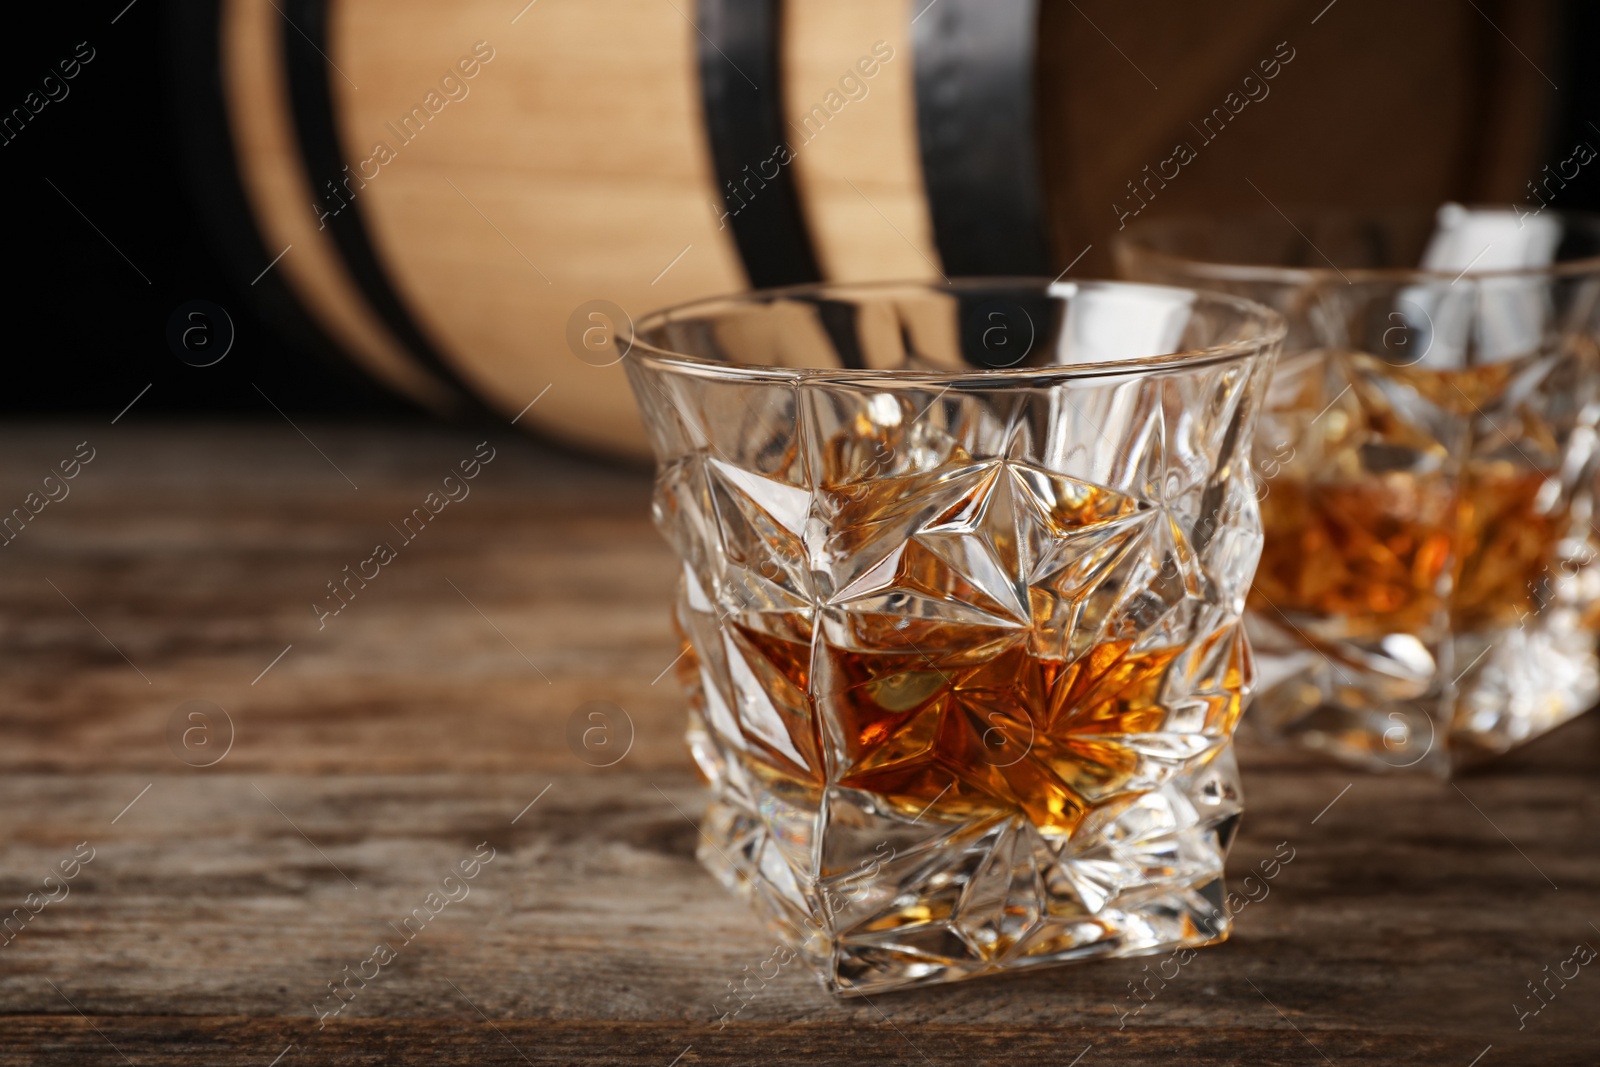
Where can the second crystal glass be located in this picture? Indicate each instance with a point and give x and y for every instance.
(963, 574)
(1428, 594)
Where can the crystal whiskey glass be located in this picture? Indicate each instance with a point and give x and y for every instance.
(1428, 595)
(964, 569)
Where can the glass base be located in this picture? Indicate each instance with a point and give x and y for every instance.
(899, 900)
(1395, 705)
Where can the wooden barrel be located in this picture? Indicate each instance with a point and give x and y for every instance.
(462, 196)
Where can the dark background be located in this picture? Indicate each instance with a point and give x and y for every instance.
(89, 330)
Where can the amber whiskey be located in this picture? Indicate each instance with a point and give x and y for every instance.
(942, 716)
(1375, 521)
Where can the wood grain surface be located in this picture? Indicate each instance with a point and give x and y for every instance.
(417, 726)
(573, 166)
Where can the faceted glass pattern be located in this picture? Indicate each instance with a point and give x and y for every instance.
(1427, 594)
(963, 577)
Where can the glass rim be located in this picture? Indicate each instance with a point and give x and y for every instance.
(1203, 269)
(1274, 330)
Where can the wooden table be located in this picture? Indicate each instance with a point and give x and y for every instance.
(373, 755)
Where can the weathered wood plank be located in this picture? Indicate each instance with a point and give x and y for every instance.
(1403, 910)
(467, 1039)
(200, 563)
(380, 751)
